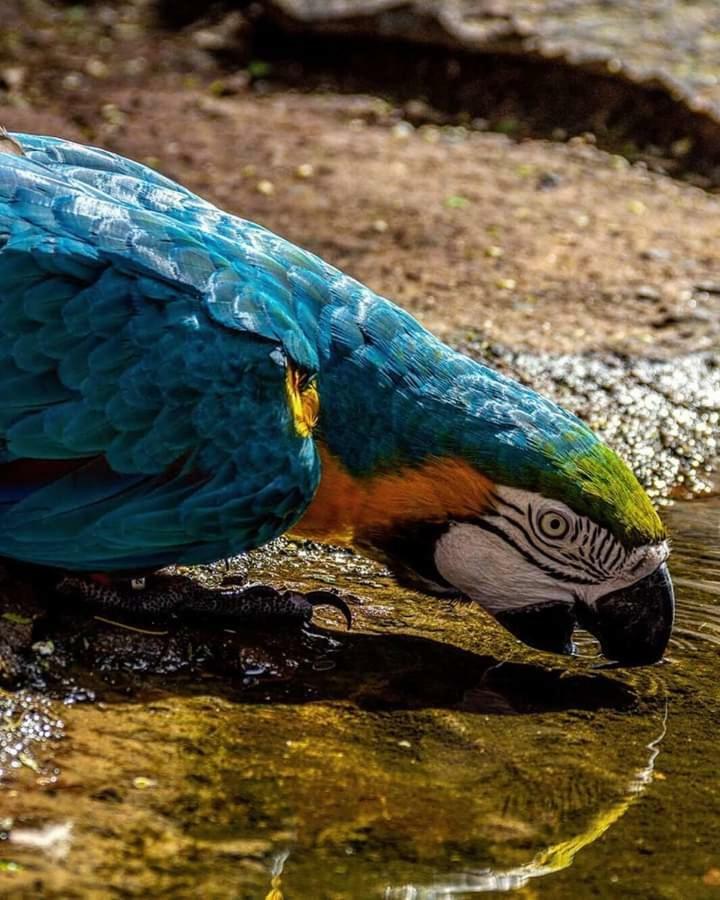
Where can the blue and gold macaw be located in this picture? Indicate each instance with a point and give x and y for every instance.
(178, 385)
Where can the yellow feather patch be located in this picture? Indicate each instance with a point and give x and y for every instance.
(346, 507)
(303, 399)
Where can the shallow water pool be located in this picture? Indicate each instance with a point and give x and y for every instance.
(425, 754)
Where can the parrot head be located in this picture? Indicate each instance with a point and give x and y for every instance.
(554, 567)
(468, 484)
(540, 565)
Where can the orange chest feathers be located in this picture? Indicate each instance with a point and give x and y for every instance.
(347, 506)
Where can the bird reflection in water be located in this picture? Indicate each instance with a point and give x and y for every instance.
(553, 859)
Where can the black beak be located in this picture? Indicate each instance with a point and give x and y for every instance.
(544, 626)
(633, 625)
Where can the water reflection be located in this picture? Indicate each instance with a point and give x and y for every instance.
(553, 859)
(695, 529)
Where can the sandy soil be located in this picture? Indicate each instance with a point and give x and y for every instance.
(536, 245)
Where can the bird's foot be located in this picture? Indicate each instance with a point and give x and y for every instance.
(179, 597)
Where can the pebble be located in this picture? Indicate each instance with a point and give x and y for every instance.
(207, 39)
(709, 287)
(142, 783)
(13, 77)
(73, 81)
(96, 68)
(402, 131)
(681, 147)
(548, 181)
(656, 254)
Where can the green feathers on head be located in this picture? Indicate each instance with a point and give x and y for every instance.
(595, 482)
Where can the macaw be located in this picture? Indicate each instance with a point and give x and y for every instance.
(179, 385)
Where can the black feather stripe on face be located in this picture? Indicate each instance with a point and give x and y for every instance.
(408, 550)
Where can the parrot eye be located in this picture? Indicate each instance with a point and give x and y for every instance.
(305, 380)
(553, 525)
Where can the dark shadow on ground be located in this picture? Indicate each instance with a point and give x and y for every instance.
(373, 671)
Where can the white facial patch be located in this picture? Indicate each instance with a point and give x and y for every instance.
(484, 567)
(530, 549)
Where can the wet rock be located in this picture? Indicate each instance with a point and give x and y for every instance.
(520, 68)
(20, 611)
(27, 723)
(611, 37)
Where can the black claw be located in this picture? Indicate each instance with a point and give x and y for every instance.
(328, 598)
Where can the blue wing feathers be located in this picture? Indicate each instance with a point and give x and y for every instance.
(131, 342)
